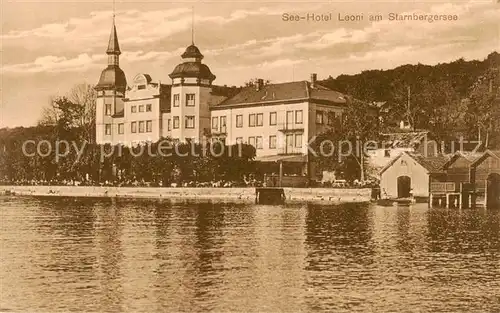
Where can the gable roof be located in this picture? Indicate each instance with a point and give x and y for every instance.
(432, 164)
(469, 156)
(291, 91)
(487, 153)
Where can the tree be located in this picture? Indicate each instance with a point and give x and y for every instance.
(349, 137)
(484, 107)
(76, 111)
(443, 112)
(84, 95)
(253, 82)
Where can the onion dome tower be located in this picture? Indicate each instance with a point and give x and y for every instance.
(192, 68)
(110, 93)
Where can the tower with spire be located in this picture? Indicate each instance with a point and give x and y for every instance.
(191, 88)
(110, 92)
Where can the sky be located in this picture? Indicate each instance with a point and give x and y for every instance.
(47, 47)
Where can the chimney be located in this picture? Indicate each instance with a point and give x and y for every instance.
(314, 78)
(259, 84)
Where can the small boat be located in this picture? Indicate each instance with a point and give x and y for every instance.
(385, 202)
(395, 201)
(404, 201)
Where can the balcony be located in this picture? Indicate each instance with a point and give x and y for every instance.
(290, 151)
(290, 128)
(218, 132)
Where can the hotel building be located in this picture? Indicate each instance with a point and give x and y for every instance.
(277, 119)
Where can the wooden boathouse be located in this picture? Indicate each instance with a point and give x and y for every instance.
(461, 180)
(470, 178)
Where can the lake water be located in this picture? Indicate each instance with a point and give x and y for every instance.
(145, 256)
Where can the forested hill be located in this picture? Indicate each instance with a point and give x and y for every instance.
(391, 86)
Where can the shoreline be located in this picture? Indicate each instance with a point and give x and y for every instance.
(238, 195)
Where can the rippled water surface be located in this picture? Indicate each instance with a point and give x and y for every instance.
(76, 255)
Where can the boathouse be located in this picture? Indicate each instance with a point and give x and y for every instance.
(485, 178)
(471, 179)
(411, 174)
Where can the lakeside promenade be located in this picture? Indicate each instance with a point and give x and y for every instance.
(243, 194)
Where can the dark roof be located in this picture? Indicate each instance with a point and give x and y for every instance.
(192, 69)
(113, 46)
(432, 164)
(299, 90)
(112, 77)
(192, 52)
(404, 139)
(487, 153)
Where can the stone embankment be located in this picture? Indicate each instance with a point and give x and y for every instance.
(247, 195)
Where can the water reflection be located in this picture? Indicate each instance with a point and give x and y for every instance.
(464, 231)
(109, 257)
(132, 256)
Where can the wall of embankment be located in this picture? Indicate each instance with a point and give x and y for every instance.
(246, 195)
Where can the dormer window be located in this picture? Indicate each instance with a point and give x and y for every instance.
(140, 87)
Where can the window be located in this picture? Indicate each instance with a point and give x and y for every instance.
(133, 109)
(223, 124)
(148, 107)
(133, 127)
(289, 140)
(258, 142)
(239, 121)
(176, 122)
(177, 99)
(121, 128)
(298, 117)
(251, 120)
(108, 109)
(169, 124)
(260, 119)
(149, 126)
(141, 126)
(141, 108)
(190, 100)
(273, 118)
(140, 87)
(107, 129)
(251, 141)
(239, 140)
(289, 117)
(215, 123)
(272, 142)
(331, 118)
(319, 117)
(298, 140)
(189, 121)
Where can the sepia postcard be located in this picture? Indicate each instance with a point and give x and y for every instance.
(250, 156)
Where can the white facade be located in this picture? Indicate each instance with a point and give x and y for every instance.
(277, 119)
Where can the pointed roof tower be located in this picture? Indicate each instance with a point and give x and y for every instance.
(113, 46)
(113, 77)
